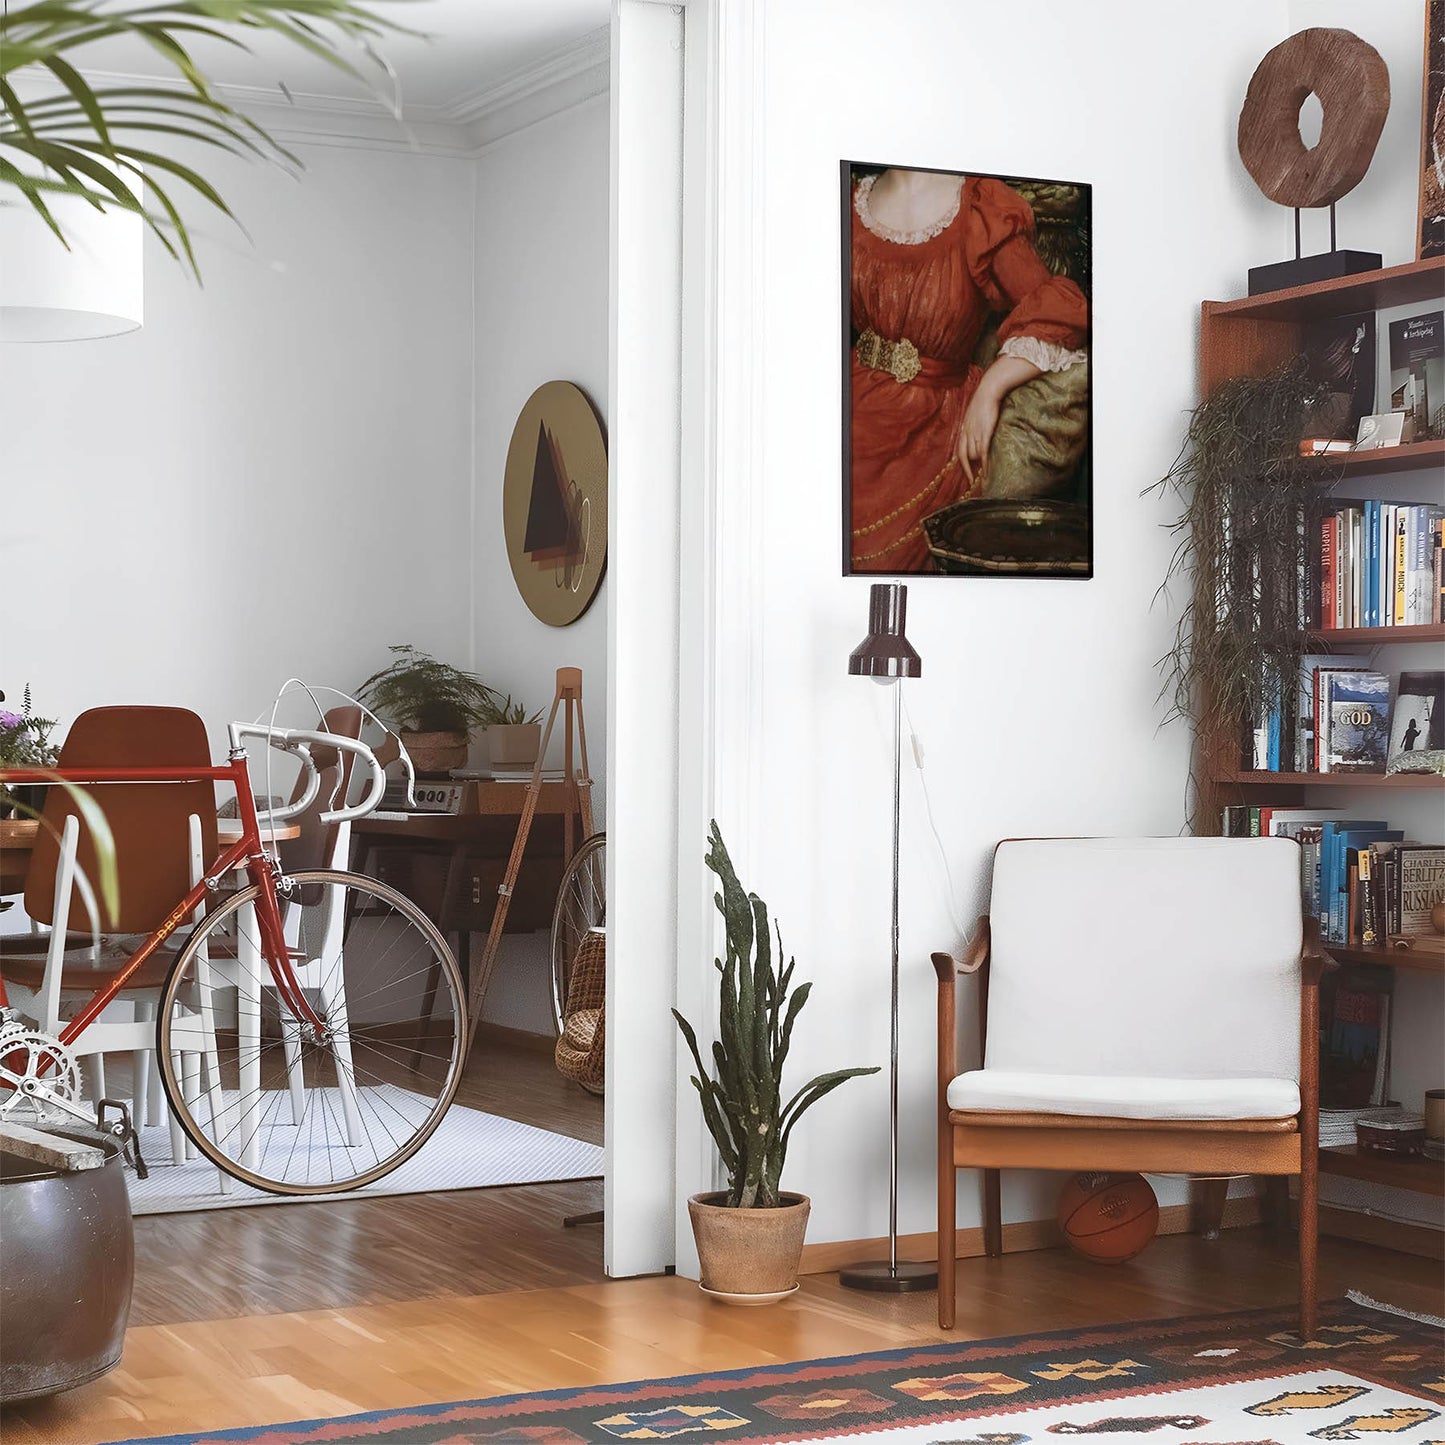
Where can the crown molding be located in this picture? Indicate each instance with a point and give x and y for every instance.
(561, 80)
(557, 81)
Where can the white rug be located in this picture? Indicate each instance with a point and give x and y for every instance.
(470, 1150)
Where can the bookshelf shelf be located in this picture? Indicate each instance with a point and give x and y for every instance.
(1366, 291)
(1421, 962)
(1411, 456)
(1331, 780)
(1378, 636)
(1414, 1172)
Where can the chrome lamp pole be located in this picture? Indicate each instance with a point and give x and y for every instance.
(887, 657)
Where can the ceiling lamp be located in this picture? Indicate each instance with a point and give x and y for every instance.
(94, 289)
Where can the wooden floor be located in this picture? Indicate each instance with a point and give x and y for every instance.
(225, 1263)
(256, 1316)
(266, 1369)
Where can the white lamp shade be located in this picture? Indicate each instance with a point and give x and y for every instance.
(48, 293)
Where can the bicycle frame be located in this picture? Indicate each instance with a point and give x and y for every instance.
(248, 850)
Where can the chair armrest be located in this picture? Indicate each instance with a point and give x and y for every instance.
(1313, 961)
(974, 958)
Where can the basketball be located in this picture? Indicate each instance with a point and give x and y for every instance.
(1108, 1217)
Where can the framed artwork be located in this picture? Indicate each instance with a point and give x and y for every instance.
(967, 421)
(554, 503)
(1432, 134)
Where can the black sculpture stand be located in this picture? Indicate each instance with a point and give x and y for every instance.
(882, 1278)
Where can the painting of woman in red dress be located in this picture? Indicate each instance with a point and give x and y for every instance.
(934, 259)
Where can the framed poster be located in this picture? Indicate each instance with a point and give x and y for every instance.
(1432, 134)
(966, 403)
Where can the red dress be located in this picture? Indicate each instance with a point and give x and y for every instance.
(936, 294)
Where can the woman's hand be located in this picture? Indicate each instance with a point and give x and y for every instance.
(974, 436)
(981, 416)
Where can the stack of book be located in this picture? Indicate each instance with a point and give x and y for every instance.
(1378, 565)
(1362, 879)
(1347, 718)
(1337, 1126)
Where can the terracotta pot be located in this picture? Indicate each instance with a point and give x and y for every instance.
(513, 745)
(434, 755)
(747, 1252)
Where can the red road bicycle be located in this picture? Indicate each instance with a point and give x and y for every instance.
(311, 1028)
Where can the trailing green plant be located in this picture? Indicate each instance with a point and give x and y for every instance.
(742, 1103)
(1242, 546)
(417, 692)
(503, 712)
(98, 142)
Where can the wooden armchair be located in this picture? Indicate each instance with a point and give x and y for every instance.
(1145, 1004)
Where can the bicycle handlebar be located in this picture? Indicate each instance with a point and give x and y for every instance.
(300, 741)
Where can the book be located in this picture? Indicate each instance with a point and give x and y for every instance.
(1417, 369)
(1305, 759)
(1420, 885)
(1417, 720)
(1355, 713)
(1339, 353)
(1355, 1038)
(1420, 589)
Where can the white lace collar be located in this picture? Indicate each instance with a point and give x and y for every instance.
(901, 238)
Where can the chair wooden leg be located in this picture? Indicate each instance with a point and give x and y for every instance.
(1308, 1244)
(1206, 1198)
(992, 1214)
(947, 1220)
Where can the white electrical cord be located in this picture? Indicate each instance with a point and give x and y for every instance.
(916, 748)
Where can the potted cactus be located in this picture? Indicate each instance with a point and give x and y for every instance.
(750, 1236)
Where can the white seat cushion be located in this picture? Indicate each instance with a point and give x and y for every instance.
(1118, 1097)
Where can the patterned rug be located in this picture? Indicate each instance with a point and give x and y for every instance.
(1237, 1379)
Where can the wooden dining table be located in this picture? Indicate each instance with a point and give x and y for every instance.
(18, 835)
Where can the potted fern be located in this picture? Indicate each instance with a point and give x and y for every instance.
(750, 1236)
(434, 704)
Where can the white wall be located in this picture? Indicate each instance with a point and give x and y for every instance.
(303, 421)
(541, 315)
(1037, 708)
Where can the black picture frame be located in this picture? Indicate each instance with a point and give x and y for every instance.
(1040, 521)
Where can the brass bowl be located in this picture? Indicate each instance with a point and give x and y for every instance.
(1010, 537)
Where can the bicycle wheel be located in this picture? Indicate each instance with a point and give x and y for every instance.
(287, 1108)
(581, 904)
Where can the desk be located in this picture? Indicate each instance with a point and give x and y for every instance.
(451, 864)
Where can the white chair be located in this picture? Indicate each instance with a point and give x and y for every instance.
(1144, 1004)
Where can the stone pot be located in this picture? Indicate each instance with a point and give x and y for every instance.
(69, 1263)
(513, 745)
(434, 755)
(749, 1256)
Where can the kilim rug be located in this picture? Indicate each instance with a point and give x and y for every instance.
(1237, 1379)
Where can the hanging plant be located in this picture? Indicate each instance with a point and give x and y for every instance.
(1247, 494)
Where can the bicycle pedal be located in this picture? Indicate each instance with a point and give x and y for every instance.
(125, 1131)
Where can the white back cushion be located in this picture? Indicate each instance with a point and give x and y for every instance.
(1169, 957)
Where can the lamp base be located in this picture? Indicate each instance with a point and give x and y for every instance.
(880, 1277)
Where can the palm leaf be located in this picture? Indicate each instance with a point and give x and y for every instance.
(66, 135)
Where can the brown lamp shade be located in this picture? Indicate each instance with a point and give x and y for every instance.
(886, 653)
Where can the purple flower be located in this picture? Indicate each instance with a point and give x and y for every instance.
(11, 719)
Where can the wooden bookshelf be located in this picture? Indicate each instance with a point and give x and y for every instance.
(1419, 962)
(1399, 1171)
(1245, 778)
(1380, 461)
(1415, 281)
(1378, 636)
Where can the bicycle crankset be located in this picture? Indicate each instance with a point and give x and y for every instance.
(36, 1071)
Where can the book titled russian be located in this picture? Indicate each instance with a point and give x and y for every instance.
(1357, 713)
(1417, 370)
(1421, 882)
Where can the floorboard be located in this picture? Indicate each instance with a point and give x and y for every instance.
(256, 1370)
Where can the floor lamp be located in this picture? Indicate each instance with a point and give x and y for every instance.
(886, 656)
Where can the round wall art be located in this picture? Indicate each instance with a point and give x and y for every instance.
(554, 503)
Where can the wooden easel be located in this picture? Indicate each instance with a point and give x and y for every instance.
(578, 784)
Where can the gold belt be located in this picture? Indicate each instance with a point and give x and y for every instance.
(898, 358)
